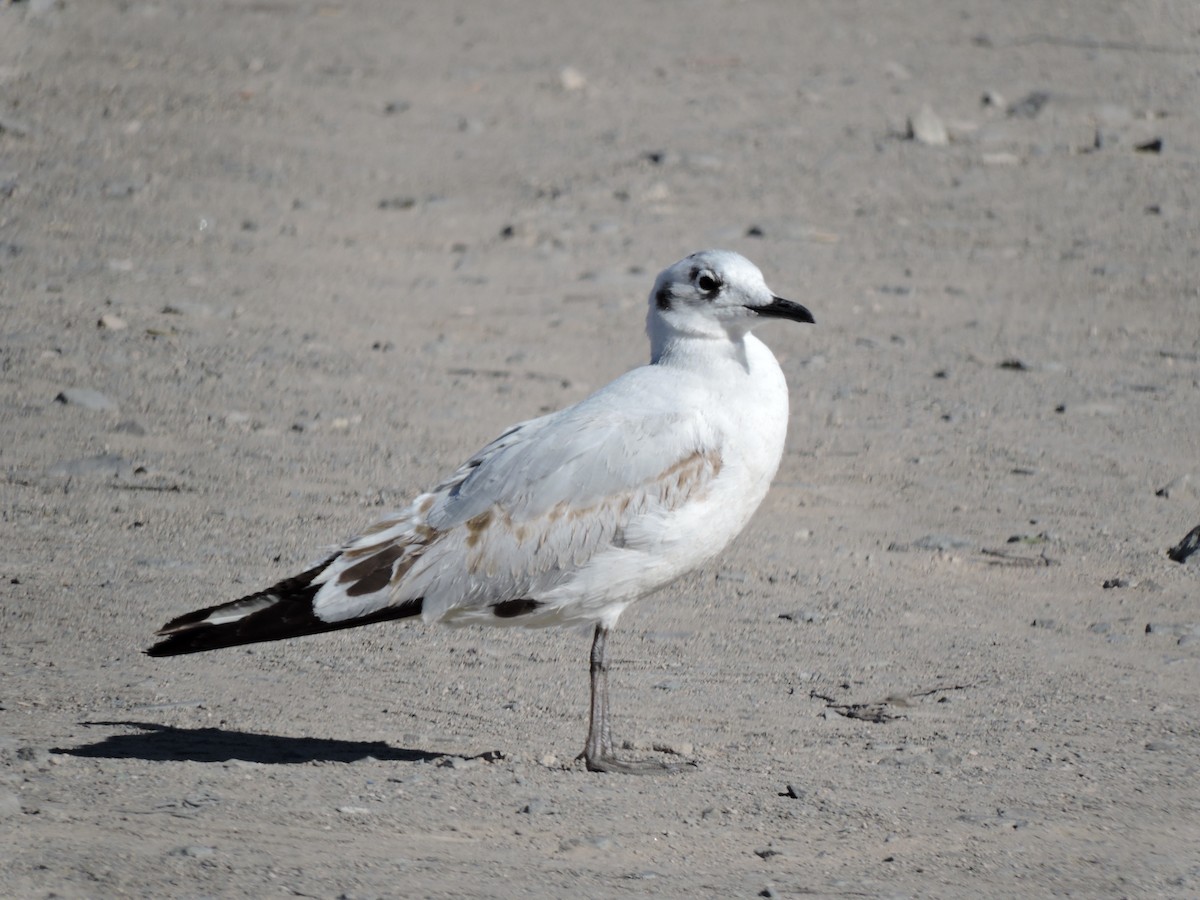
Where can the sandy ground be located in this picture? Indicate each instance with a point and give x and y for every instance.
(309, 255)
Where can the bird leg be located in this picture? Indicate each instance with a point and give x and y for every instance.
(598, 753)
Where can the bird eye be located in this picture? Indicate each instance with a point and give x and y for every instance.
(708, 284)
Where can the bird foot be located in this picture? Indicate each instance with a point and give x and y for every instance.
(607, 762)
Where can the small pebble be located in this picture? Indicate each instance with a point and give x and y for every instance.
(196, 851)
(459, 762)
(941, 542)
(397, 203)
(1176, 629)
(1183, 486)
(13, 127)
(592, 842)
(10, 804)
(111, 322)
(87, 398)
(187, 308)
(1186, 547)
(129, 426)
(571, 79)
(732, 575)
(37, 756)
(808, 617)
(120, 189)
(1029, 106)
(992, 99)
(104, 464)
(926, 127)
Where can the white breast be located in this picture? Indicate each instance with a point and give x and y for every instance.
(748, 408)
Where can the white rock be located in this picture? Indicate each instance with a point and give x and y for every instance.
(87, 398)
(112, 323)
(572, 79)
(928, 128)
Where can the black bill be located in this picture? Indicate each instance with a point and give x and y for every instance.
(779, 308)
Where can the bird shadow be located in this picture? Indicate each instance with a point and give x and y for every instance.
(166, 743)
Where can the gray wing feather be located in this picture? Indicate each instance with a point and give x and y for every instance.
(532, 506)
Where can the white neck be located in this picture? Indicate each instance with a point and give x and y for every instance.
(689, 338)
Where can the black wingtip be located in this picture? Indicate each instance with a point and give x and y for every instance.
(210, 638)
(279, 609)
(289, 618)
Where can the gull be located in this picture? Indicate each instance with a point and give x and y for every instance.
(567, 519)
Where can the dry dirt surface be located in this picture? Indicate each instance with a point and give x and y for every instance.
(269, 268)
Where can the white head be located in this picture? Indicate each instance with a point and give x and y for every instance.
(716, 294)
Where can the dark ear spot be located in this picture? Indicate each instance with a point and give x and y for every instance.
(663, 298)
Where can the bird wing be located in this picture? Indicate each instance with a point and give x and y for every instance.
(534, 506)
